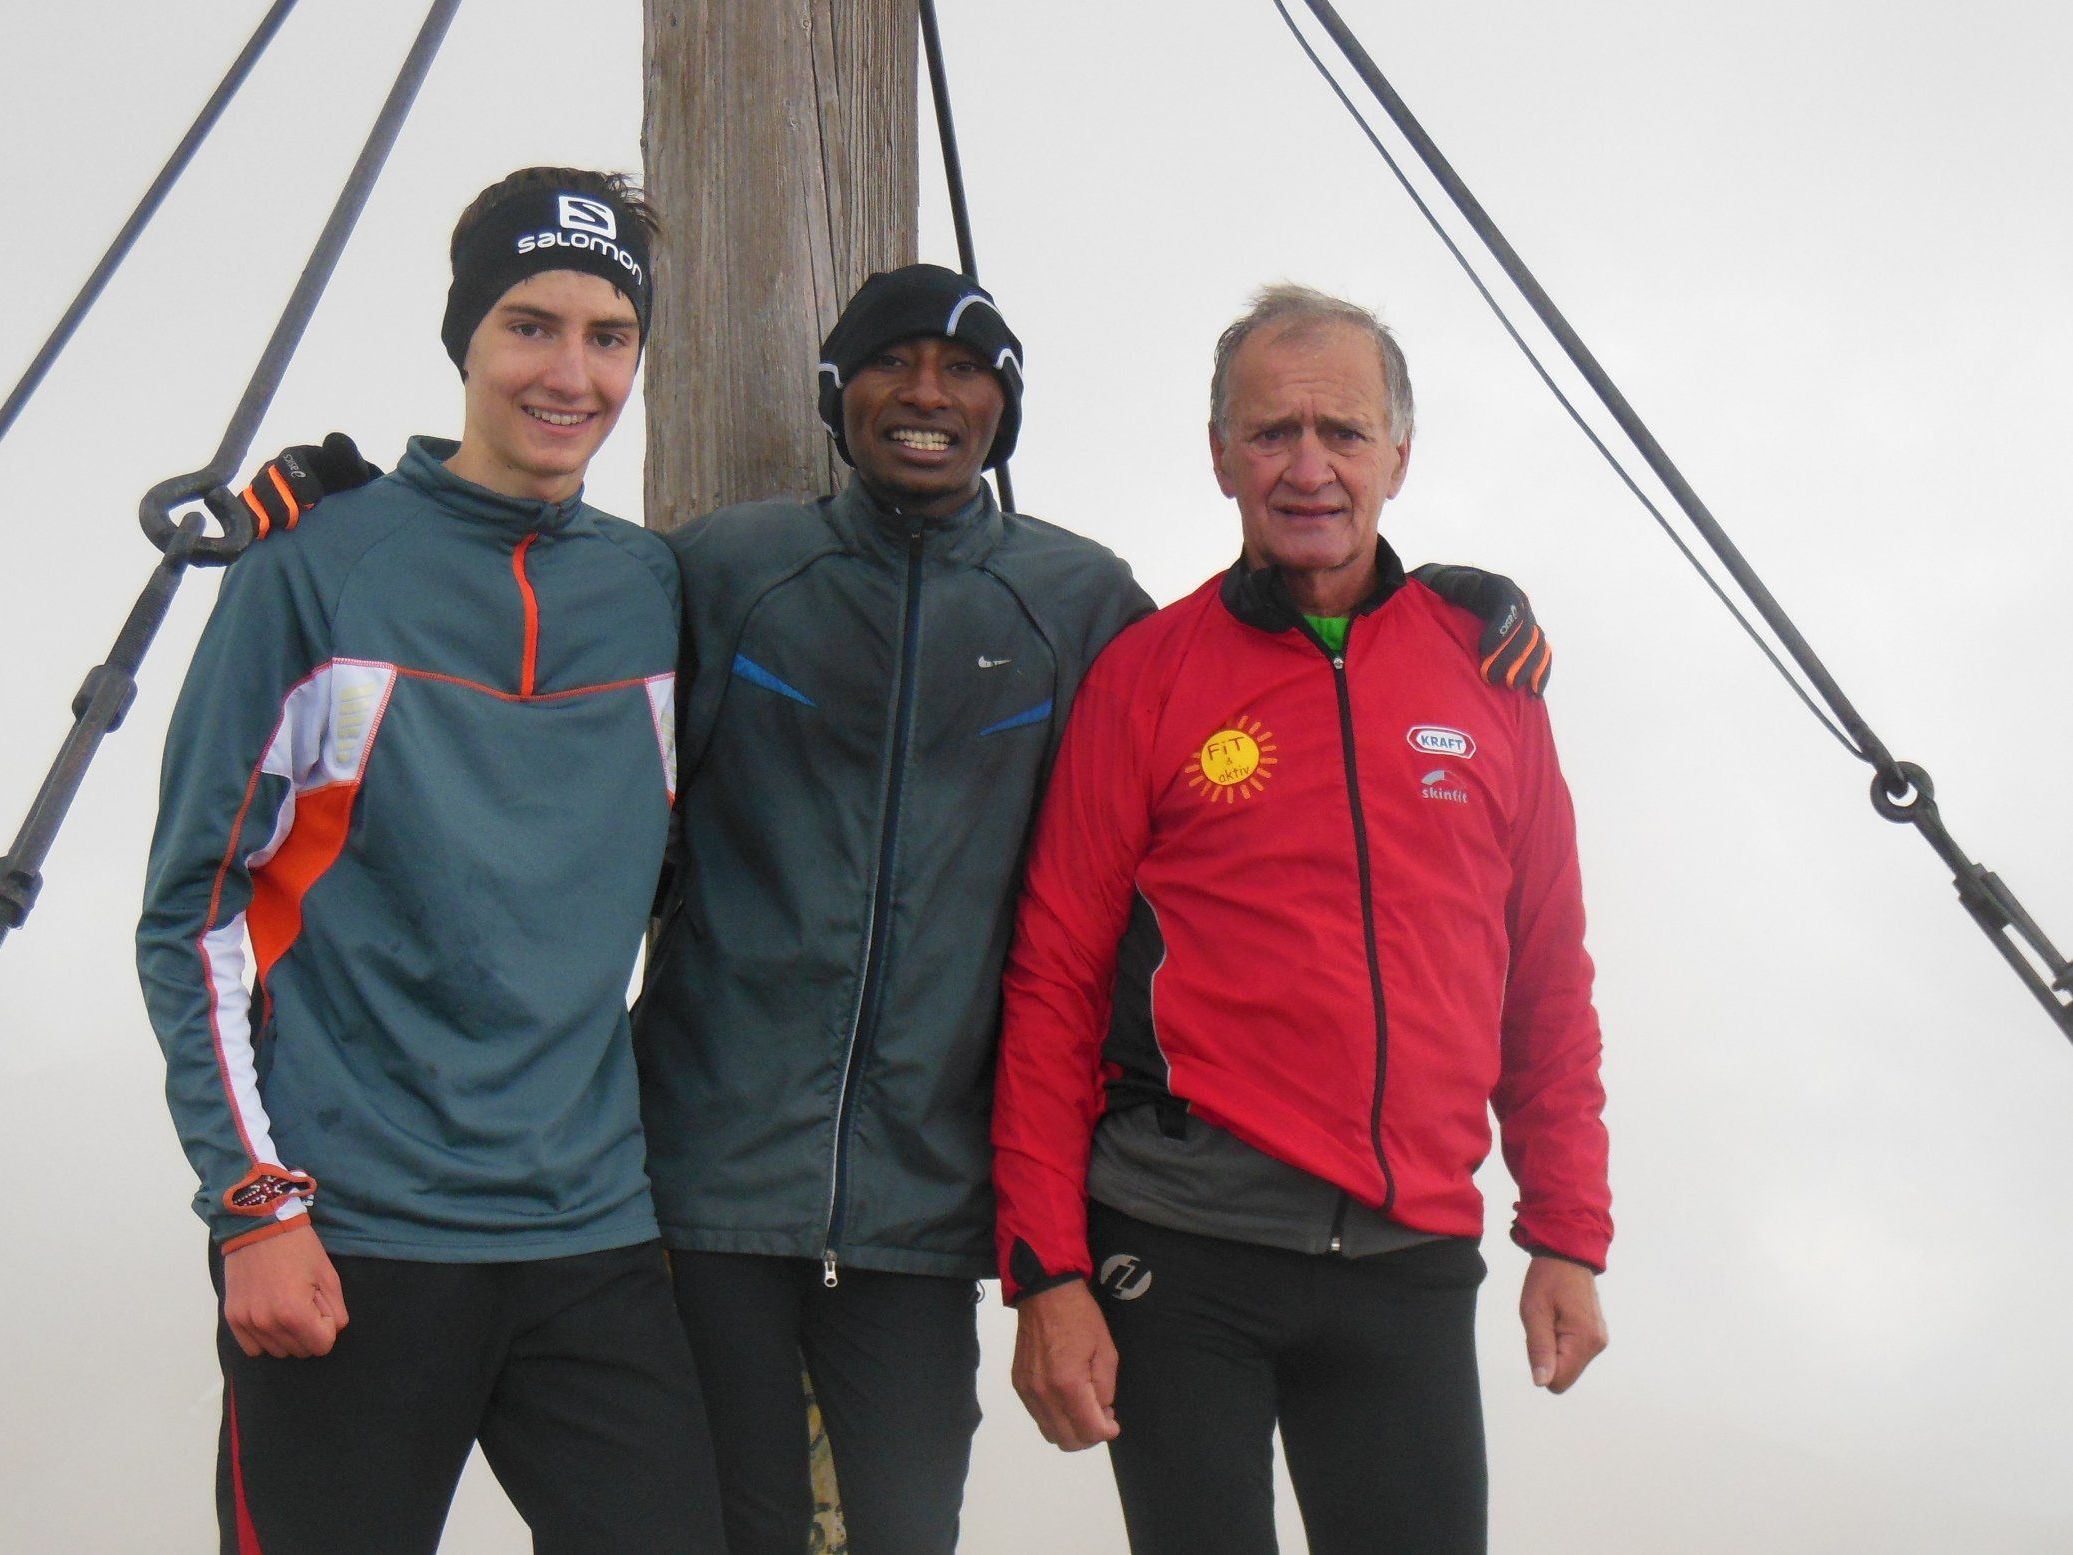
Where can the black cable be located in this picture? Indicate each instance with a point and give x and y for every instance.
(1533, 358)
(953, 175)
(1868, 744)
(147, 207)
(1900, 791)
(946, 135)
(155, 512)
(109, 689)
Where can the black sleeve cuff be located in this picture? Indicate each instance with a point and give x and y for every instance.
(1028, 1274)
(1048, 1282)
(1539, 1251)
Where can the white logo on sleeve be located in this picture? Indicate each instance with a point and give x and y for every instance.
(354, 704)
(591, 216)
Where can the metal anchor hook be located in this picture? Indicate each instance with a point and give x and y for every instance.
(1902, 791)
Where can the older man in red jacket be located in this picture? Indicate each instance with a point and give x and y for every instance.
(1303, 906)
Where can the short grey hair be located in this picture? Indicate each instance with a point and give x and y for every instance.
(1303, 308)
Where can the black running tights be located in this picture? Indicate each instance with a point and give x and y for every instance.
(1367, 1366)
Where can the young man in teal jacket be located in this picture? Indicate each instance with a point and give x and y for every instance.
(414, 790)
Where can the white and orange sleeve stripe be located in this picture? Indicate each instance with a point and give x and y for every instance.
(320, 747)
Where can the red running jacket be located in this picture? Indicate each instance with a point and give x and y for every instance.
(1355, 924)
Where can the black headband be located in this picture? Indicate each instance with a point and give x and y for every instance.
(921, 300)
(537, 230)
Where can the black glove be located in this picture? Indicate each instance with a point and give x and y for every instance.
(1515, 651)
(296, 479)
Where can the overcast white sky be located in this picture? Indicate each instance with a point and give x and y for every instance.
(1821, 245)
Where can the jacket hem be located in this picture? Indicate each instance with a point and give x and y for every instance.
(784, 1244)
(488, 1246)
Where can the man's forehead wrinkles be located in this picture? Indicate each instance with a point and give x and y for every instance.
(1278, 415)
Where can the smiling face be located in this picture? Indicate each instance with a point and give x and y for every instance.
(919, 419)
(548, 371)
(1305, 450)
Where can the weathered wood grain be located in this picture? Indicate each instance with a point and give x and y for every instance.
(779, 137)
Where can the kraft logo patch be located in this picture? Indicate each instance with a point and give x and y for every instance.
(1124, 1277)
(1439, 740)
(591, 216)
(1234, 763)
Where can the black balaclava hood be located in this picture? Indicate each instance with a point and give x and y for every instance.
(922, 300)
(538, 229)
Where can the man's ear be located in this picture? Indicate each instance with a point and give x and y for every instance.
(1216, 460)
(1403, 465)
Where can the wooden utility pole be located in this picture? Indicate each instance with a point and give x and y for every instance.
(779, 138)
(780, 145)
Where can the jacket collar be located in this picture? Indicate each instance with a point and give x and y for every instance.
(878, 528)
(424, 467)
(1259, 597)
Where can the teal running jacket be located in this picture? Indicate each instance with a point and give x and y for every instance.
(415, 794)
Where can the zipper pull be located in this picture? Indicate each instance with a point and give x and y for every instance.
(1336, 1246)
(828, 1275)
(1338, 663)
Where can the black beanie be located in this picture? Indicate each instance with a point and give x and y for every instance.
(540, 229)
(922, 300)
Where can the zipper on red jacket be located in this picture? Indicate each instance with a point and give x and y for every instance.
(870, 1004)
(1367, 906)
(529, 663)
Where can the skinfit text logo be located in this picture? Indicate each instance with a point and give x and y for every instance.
(1124, 1277)
(1439, 740)
(586, 224)
(1441, 784)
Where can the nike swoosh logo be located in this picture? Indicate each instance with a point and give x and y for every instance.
(992, 664)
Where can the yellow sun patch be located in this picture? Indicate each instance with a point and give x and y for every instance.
(1234, 763)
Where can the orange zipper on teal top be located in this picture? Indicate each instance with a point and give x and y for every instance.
(530, 665)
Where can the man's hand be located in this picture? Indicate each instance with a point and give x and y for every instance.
(281, 1296)
(296, 479)
(1514, 651)
(1065, 1366)
(1564, 1327)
